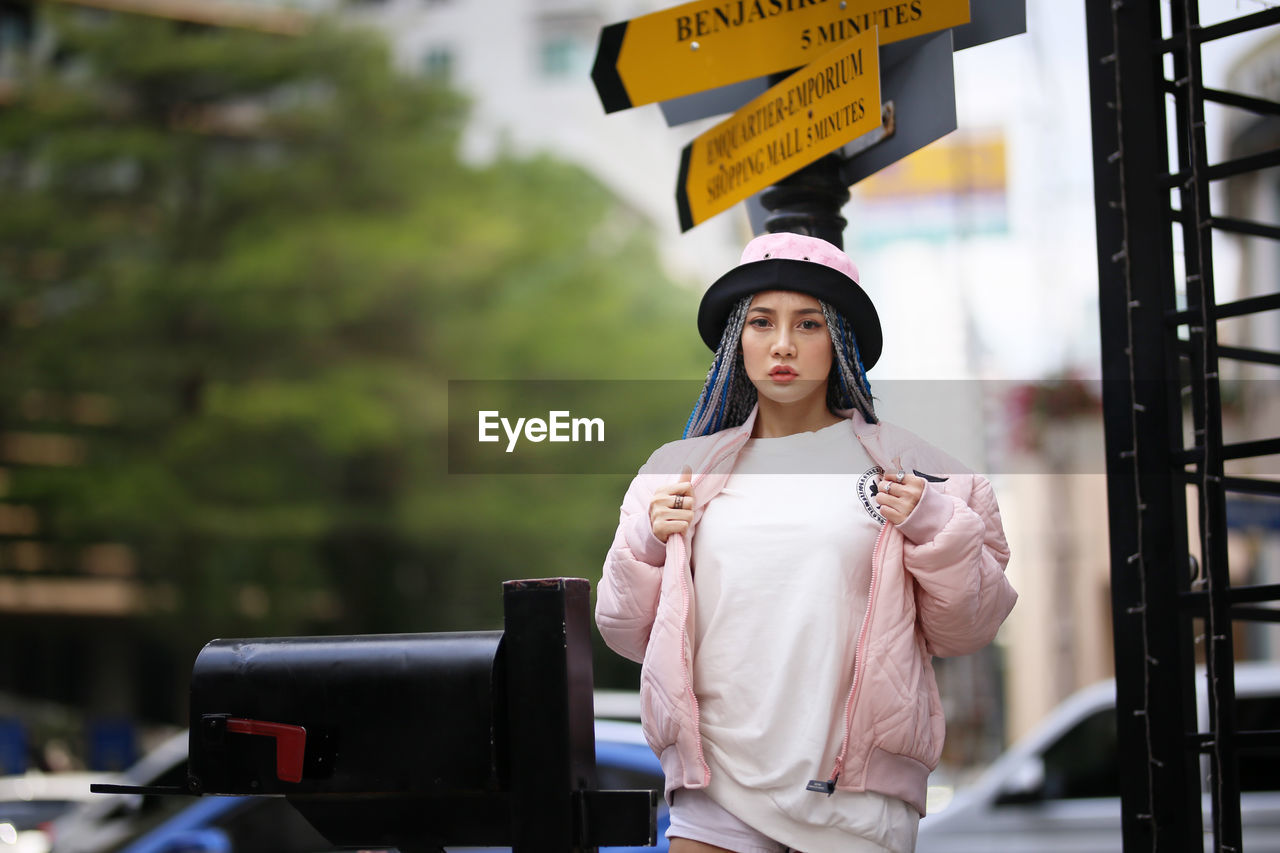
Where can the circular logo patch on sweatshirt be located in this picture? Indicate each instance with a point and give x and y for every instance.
(867, 490)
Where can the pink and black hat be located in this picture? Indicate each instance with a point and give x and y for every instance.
(786, 261)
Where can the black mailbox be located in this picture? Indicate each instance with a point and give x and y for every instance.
(418, 741)
(419, 713)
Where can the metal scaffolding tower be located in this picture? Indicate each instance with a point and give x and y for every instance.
(1173, 601)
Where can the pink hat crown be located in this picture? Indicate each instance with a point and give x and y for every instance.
(797, 262)
(799, 247)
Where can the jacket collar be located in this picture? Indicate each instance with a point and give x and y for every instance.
(733, 440)
(860, 425)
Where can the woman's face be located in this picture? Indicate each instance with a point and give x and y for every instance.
(786, 347)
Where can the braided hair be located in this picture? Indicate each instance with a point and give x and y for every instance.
(728, 396)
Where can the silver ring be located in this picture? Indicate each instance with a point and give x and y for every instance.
(902, 475)
(888, 487)
(679, 501)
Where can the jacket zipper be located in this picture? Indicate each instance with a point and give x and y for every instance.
(828, 787)
(686, 570)
(684, 665)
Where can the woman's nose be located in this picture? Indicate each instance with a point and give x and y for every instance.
(783, 345)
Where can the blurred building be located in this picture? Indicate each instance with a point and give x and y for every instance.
(526, 65)
(1053, 496)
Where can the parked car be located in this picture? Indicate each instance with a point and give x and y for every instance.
(107, 821)
(1058, 789)
(130, 823)
(29, 804)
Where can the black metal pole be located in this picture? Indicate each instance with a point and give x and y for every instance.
(547, 645)
(809, 202)
(1155, 699)
(1206, 406)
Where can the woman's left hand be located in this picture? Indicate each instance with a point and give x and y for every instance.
(898, 491)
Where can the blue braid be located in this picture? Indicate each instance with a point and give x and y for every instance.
(685, 432)
(852, 390)
(725, 395)
(846, 392)
(862, 371)
(700, 406)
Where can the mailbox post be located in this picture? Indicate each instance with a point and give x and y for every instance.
(553, 748)
(419, 741)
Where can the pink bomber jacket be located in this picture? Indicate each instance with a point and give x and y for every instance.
(937, 588)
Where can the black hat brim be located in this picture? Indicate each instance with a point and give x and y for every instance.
(831, 286)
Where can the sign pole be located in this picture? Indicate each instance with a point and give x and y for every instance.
(809, 202)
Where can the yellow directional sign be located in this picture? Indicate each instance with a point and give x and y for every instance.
(831, 101)
(710, 43)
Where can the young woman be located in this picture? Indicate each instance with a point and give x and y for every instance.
(787, 684)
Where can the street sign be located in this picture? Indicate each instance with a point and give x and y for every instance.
(828, 103)
(918, 77)
(989, 20)
(710, 43)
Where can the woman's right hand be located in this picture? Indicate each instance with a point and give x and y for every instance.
(671, 509)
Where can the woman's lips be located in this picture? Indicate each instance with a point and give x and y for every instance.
(782, 374)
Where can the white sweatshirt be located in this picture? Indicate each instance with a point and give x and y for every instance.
(782, 570)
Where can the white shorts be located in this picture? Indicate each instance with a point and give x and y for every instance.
(697, 817)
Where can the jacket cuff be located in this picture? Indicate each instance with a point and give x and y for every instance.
(928, 517)
(640, 538)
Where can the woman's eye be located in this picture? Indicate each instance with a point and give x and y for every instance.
(758, 322)
(810, 324)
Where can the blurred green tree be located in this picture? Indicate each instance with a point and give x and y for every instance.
(263, 258)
